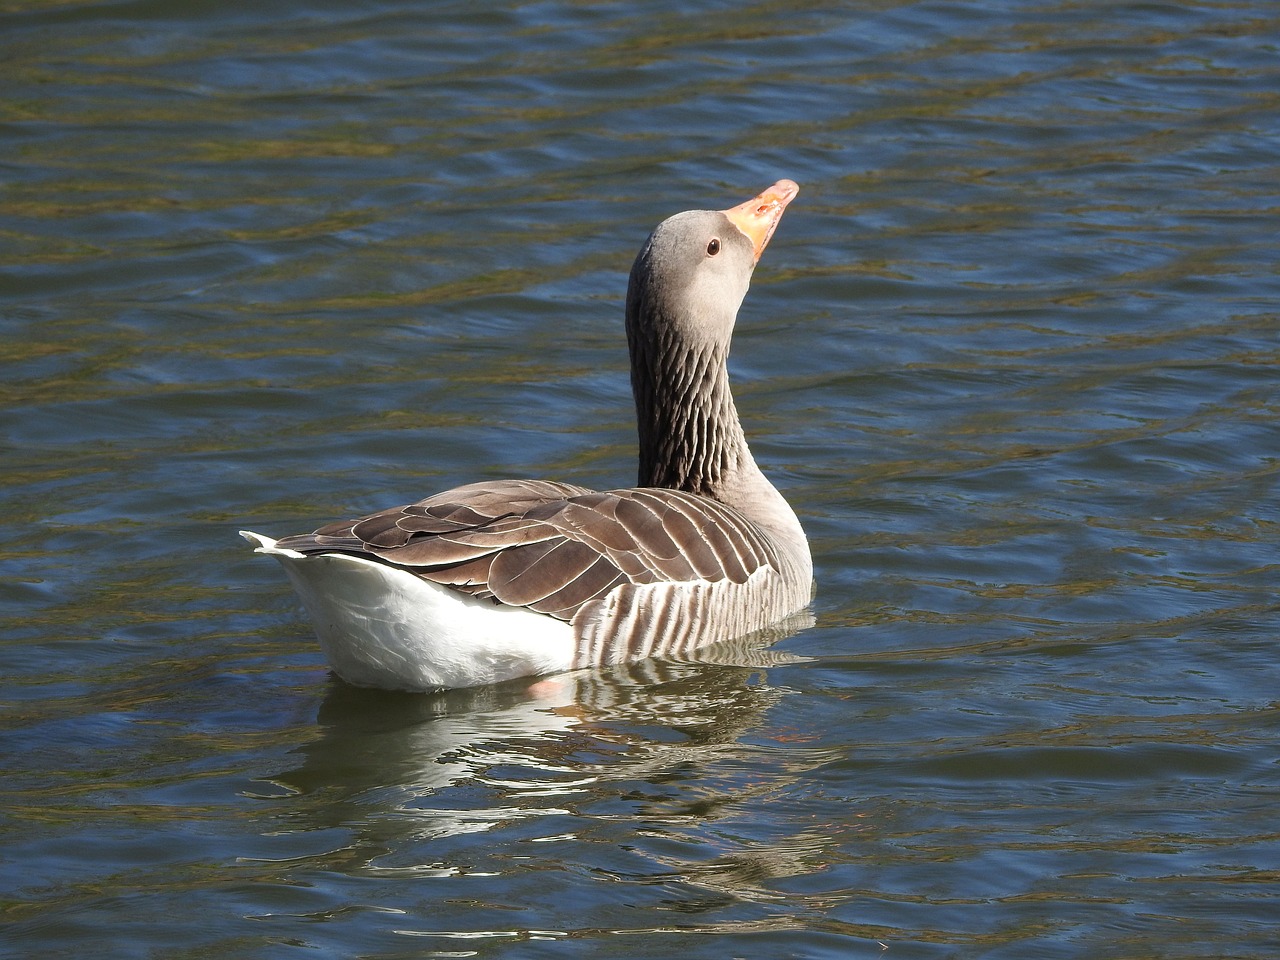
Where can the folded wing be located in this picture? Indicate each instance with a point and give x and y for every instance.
(552, 547)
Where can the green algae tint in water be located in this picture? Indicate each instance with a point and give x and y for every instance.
(1011, 354)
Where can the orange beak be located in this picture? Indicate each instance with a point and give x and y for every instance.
(759, 217)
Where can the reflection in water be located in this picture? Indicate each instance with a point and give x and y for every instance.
(676, 749)
(557, 730)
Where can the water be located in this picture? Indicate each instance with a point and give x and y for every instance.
(1011, 354)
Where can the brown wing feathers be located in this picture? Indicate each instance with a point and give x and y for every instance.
(549, 546)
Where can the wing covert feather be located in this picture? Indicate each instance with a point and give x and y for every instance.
(552, 547)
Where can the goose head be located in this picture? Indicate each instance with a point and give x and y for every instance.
(691, 276)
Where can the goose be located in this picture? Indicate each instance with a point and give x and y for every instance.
(503, 579)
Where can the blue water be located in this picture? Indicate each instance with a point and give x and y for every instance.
(1011, 354)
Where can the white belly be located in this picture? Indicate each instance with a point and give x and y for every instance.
(384, 627)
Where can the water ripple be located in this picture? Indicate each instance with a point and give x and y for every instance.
(1011, 355)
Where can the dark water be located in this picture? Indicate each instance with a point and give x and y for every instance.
(1011, 354)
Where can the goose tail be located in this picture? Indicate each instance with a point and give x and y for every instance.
(268, 546)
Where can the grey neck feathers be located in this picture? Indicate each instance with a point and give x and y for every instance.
(690, 436)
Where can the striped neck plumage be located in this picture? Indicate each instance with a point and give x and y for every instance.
(689, 433)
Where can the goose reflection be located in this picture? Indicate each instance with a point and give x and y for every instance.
(463, 761)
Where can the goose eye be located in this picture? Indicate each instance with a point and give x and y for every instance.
(713, 247)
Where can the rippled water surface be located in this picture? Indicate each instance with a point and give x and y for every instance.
(1012, 355)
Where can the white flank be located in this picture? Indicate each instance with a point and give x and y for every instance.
(383, 627)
